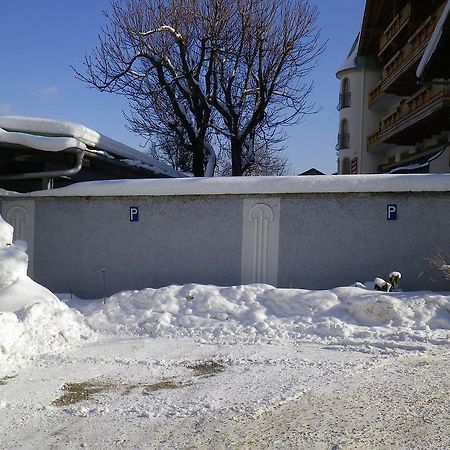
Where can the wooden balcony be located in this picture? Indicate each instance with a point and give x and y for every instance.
(421, 116)
(398, 76)
(410, 54)
(398, 24)
(376, 93)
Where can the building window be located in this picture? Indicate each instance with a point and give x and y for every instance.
(345, 97)
(343, 136)
(345, 166)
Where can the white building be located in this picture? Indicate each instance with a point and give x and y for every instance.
(394, 100)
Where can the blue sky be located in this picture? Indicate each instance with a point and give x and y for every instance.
(39, 40)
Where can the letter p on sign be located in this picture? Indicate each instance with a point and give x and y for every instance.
(391, 212)
(134, 214)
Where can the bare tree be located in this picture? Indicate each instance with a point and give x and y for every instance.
(258, 160)
(196, 71)
(172, 152)
(155, 53)
(267, 162)
(266, 50)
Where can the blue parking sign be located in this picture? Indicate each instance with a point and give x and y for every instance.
(391, 212)
(134, 214)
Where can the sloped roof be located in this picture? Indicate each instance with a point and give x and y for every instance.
(351, 61)
(312, 171)
(377, 14)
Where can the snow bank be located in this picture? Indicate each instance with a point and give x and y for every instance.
(41, 327)
(259, 312)
(6, 233)
(13, 264)
(32, 319)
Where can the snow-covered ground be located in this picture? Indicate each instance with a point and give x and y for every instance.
(220, 367)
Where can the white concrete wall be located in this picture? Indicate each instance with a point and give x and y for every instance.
(314, 240)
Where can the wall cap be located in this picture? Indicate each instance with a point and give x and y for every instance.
(249, 185)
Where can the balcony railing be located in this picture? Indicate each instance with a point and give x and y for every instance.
(410, 112)
(395, 27)
(376, 93)
(409, 53)
(343, 141)
(406, 57)
(345, 100)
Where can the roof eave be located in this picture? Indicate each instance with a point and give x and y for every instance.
(369, 28)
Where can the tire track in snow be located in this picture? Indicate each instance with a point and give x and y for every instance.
(404, 404)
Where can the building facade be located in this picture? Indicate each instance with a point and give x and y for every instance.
(394, 99)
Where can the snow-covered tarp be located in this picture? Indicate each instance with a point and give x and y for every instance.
(48, 129)
(256, 185)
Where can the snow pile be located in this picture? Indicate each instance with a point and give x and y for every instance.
(255, 313)
(6, 233)
(32, 319)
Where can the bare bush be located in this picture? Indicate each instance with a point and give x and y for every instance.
(440, 262)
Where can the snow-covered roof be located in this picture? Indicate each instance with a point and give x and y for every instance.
(350, 61)
(49, 135)
(45, 143)
(433, 42)
(252, 185)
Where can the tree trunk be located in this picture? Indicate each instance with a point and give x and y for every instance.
(236, 158)
(198, 160)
